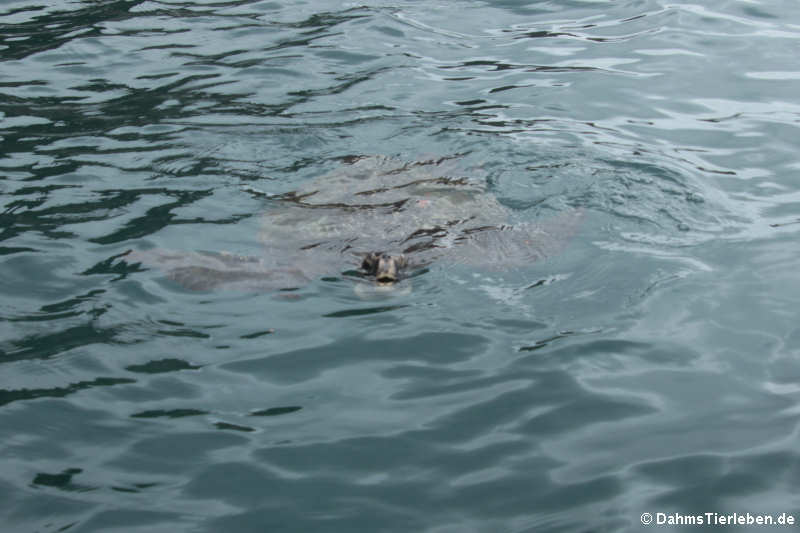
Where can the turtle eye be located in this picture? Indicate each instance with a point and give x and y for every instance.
(370, 261)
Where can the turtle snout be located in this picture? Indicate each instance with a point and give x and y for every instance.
(385, 267)
(386, 277)
(386, 271)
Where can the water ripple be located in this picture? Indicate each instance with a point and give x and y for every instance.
(648, 366)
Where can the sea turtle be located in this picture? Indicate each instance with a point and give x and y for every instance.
(387, 216)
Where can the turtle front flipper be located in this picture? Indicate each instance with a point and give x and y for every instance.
(198, 278)
(505, 247)
(207, 271)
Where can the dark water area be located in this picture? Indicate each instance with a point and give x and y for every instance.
(651, 365)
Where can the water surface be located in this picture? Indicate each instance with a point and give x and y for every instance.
(650, 366)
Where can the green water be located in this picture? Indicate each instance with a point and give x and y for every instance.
(651, 365)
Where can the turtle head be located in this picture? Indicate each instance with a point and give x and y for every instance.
(385, 267)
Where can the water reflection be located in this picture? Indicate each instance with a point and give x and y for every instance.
(648, 365)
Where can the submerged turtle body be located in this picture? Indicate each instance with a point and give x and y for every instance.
(380, 204)
(412, 214)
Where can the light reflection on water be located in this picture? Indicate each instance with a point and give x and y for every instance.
(649, 366)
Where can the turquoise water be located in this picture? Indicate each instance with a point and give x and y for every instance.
(651, 366)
